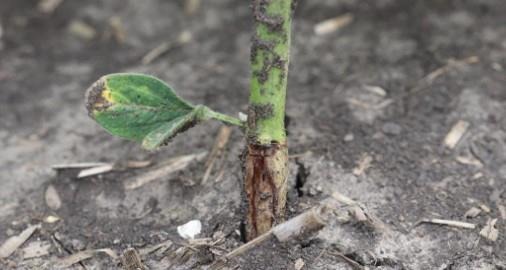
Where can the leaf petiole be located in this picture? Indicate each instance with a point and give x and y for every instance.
(226, 119)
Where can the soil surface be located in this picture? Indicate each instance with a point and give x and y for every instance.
(369, 107)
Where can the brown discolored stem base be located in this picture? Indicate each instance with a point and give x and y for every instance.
(266, 174)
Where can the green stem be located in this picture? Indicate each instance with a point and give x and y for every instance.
(266, 159)
(269, 64)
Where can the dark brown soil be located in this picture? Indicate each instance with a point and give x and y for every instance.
(334, 124)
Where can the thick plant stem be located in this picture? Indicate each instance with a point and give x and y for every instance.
(267, 154)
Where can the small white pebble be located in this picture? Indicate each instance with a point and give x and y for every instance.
(349, 137)
(190, 229)
(299, 263)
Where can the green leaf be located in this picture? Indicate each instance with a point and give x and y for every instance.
(166, 131)
(145, 109)
(133, 105)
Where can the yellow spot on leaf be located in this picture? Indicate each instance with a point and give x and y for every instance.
(106, 94)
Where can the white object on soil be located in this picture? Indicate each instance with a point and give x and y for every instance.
(456, 133)
(190, 229)
(490, 232)
(53, 200)
(333, 24)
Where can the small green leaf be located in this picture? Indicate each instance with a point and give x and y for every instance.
(133, 105)
(145, 109)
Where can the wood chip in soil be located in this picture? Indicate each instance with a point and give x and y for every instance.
(14, 242)
(450, 223)
(456, 133)
(490, 231)
(333, 24)
(52, 198)
(36, 249)
(83, 255)
(171, 166)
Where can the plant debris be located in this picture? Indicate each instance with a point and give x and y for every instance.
(51, 219)
(217, 151)
(49, 6)
(83, 255)
(489, 231)
(376, 90)
(354, 264)
(163, 48)
(171, 166)
(162, 247)
(456, 133)
(485, 208)
(96, 168)
(117, 30)
(360, 212)
(80, 165)
(36, 249)
(469, 160)
(451, 223)
(53, 200)
(95, 171)
(363, 164)
(502, 211)
(131, 260)
(134, 164)
(82, 30)
(472, 212)
(333, 24)
(452, 63)
(191, 6)
(14, 242)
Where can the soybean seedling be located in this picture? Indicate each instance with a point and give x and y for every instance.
(144, 109)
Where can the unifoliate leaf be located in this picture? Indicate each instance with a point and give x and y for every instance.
(145, 109)
(134, 106)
